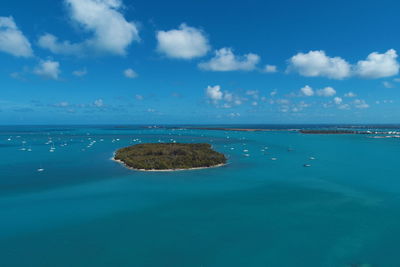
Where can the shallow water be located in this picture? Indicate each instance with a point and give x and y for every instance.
(86, 210)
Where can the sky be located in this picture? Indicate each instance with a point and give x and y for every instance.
(199, 62)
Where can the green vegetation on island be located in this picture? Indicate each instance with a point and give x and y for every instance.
(169, 156)
(336, 131)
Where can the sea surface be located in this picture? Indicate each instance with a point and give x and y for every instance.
(64, 202)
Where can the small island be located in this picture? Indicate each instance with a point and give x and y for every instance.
(334, 131)
(169, 156)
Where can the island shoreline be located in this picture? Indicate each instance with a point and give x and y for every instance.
(166, 170)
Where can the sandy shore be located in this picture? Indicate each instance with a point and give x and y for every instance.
(167, 170)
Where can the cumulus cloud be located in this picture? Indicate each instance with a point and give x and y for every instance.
(98, 103)
(139, 97)
(234, 114)
(52, 43)
(12, 40)
(228, 99)
(214, 93)
(359, 103)
(317, 63)
(111, 32)
(183, 43)
(130, 73)
(327, 92)
(344, 106)
(48, 69)
(338, 100)
(226, 60)
(228, 96)
(350, 94)
(253, 93)
(307, 91)
(270, 69)
(378, 65)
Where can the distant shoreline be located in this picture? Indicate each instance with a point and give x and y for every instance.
(239, 129)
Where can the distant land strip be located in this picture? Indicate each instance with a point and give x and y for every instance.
(237, 129)
(303, 131)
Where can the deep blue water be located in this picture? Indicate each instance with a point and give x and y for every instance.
(86, 210)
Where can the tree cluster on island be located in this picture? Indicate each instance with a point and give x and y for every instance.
(169, 156)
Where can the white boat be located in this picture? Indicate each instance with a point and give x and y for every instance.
(40, 170)
(273, 158)
(52, 148)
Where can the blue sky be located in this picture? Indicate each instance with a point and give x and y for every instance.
(215, 62)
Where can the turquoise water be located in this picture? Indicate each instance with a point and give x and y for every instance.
(86, 210)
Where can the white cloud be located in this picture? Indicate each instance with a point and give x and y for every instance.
(387, 84)
(350, 94)
(51, 43)
(338, 100)
(274, 92)
(112, 33)
(184, 43)
(130, 73)
(139, 97)
(12, 40)
(270, 69)
(307, 91)
(384, 102)
(327, 92)
(378, 65)
(214, 93)
(216, 96)
(396, 80)
(80, 73)
(359, 103)
(253, 93)
(317, 63)
(237, 101)
(63, 104)
(98, 103)
(226, 60)
(234, 114)
(48, 69)
(344, 106)
(228, 96)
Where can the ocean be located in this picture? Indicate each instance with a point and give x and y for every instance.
(64, 202)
